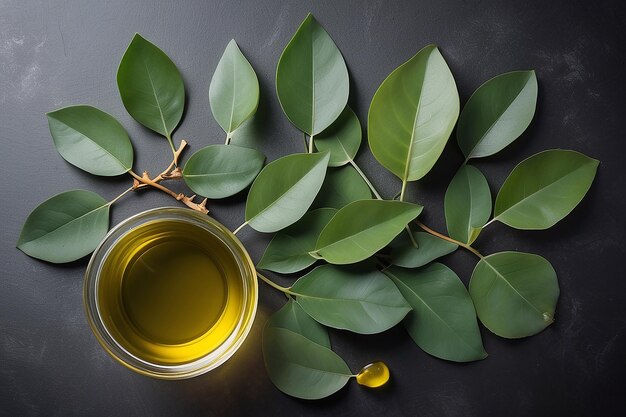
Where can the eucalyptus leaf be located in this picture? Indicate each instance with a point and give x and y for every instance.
(544, 188)
(219, 171)
(341, 187)
(91, 139)
(443, 321)
(342, 139)
(300, 367)
(467, 204)
(151, 87)
(497, 113)
(412, 115)
(284, 190)
(351, 298)
(249, 134)
(65, 227)
(289, 249)
(292, 317)
(362, 228)
(234, 89)
(312, 79)
(515, 293)
(403, 253)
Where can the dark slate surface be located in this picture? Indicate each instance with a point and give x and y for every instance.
(57, 53)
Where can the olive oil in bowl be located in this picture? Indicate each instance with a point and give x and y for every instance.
(171, 293)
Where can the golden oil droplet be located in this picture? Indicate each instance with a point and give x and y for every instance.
(373, 375)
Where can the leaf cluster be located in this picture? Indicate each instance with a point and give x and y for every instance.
(374, 269)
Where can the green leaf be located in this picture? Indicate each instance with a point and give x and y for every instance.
(91, 139)
(412, 115)
(497, 113)
(292, 317)
(249, 134)
(219, 171)
(342, 139)
(515, 293)
(284, 190)
(356, 299)
(443, 321)
(312, 79)
(65, 227)
(544, 188)
(362, 228)
(467, 204)
(289, 249)
(234, 89)
(341, 187)
(404, 253)
(151, 87)
(300, 367)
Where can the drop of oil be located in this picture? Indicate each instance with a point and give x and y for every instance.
(373, 375)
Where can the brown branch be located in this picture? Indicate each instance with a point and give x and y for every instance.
(449, 239)
(171, 172)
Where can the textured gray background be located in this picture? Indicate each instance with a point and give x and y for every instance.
(57, 53)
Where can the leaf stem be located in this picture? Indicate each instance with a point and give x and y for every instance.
(403, 189)
(273, 284)
(239, 228)
(408, 229)
(177, 153)
(120, 196)
(311, 144)
(169, 140)
(449, 239)
(489, 222)
(381, 264)
(228, 137)
(367, 181)
(411, 237)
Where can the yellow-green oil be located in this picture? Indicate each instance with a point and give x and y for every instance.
(373, 375)
(170, 292)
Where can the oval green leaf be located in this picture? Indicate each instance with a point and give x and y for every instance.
(360, 300)
(312, 79)
(292, 317)
(234, 89)
(288, 252)
(219, 171)
(467, 204)
(412, 115)
(284, 190)
(515, 293)
(544, 188)
(497, 113)
(342, 139)
(301, 368)
(151, 87)
(404, 253)
(91, 139)
(249, 134)
(362, 228)
(65, 227)
(443, 321)
(341, 187)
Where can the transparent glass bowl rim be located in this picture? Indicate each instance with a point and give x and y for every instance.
(205, 363)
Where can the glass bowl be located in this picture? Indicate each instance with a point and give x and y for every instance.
(103, 322)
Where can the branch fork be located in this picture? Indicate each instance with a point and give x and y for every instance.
(172, 172)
